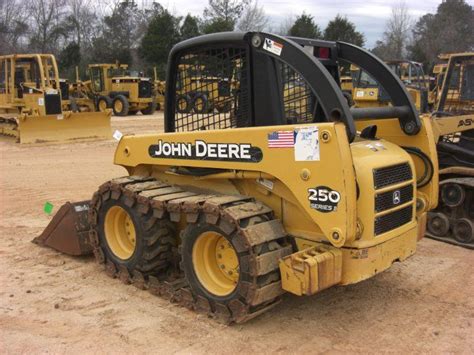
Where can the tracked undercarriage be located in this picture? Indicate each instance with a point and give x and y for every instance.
(255, 234)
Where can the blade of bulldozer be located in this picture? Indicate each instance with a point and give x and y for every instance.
(68, 231)
(69, 126)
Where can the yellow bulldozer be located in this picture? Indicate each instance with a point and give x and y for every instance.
(113, 87)
(32, 105)
(453, 219)
(226, 211)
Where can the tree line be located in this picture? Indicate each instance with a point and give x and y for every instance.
(79, 32)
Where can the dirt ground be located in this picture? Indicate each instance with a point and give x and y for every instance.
(52, 303)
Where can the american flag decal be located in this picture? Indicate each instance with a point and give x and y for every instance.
(281, 139)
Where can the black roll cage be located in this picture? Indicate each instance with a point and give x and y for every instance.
(321, 74)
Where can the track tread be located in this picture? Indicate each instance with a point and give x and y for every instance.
(254, 232)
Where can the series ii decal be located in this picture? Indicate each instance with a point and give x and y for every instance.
(201, 150)
(324, 199)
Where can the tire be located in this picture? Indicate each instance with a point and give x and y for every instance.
(201, 104)
(150, 110)
(231, 291)
(183, 103)
(103, 102)
(120, 105)
(154, 239)
(73, 106)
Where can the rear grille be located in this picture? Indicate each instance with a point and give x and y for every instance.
(392, 175)
(144, 89)
(52, 104)
(393, 220)
(393, 198)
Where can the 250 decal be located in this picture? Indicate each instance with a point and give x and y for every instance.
(324, 199)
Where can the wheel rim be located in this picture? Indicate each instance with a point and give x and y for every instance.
(216, 263)
(120, 232)
(102, 105)
(182, 104)
(199, 104)
(118, 106)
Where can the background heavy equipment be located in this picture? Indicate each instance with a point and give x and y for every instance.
(453, 220)
(226, 211)
(31, 103)
(112, 86)
(368, 93)
(203, 93)
(159, 87)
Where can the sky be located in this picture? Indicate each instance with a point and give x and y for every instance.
(369, 16)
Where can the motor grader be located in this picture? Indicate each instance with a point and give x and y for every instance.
(203, 91)
(453, 219)
(112, 86)
(226, 211)
(32, 105)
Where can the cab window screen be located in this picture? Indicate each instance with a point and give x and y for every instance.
(299, 102)
(211, 90)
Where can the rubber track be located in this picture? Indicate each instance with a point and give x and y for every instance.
(264, 240)
(454, 213)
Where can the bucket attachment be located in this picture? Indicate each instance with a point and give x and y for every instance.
(68, 126)
(68, 231)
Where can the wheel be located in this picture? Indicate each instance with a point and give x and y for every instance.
(463, 230)
(453, 195)
(128, 239)
(201, 104)
(183, 103)
(74, 107)
(438, 224)
(150, 110)
(224, 107)
(213, 265)
(120, 105)
(103, 103)
(220, 269)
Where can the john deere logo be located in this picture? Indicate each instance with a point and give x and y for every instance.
(396, 197)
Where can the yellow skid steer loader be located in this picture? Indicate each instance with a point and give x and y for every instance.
(226, 211)
(31, 103)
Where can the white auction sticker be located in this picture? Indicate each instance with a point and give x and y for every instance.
(272, 46)
(41, 101)
(117, 135)
(307, 144)
(360, 93)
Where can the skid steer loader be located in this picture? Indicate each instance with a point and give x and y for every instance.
(31, 103)
(226, 211)
(453, 219)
